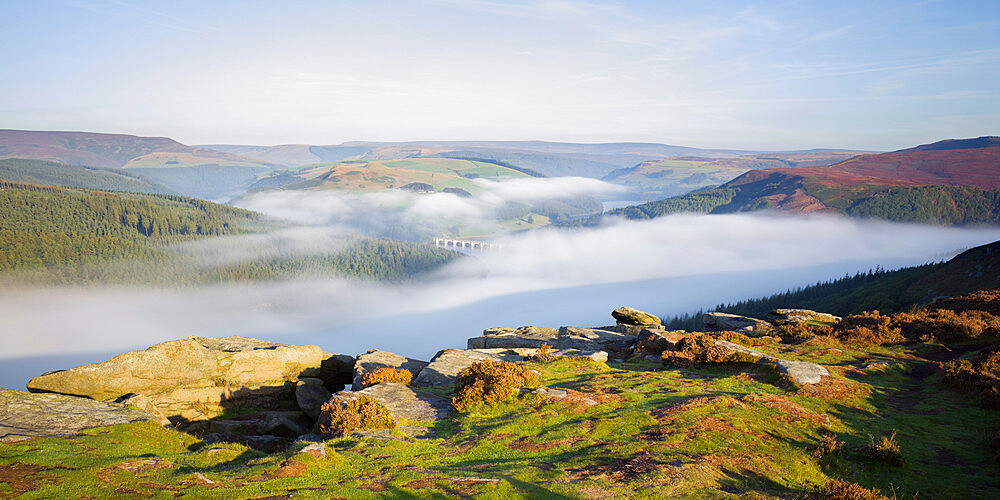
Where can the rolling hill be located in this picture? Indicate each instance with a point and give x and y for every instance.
(57, 174)
(111, 150)
(675, 176)
(948, 182)
(547, 158)
(361, 176)
(200, 172)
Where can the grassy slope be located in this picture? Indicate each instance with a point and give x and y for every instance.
(378, 175)
(705, 433)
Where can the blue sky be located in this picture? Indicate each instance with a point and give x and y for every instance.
(759, 75)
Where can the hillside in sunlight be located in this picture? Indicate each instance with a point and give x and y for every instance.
(948, 182)
(866, 407)
(675, 176)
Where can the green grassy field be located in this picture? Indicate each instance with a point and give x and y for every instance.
(440, 173)
(722, 432)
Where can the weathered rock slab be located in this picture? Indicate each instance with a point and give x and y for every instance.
(802, 372)
(403, 402)
(194, 378)
(611, 340)
(530, 337)
(783, 316)
(630, 316)
(26, 415)
(448, 363)
(725, 322)
(375, 359)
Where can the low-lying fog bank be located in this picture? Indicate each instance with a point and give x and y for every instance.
(667, 266)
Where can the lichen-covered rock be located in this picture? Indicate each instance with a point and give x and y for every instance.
(783, 316)
(403, 402)
(448, 363)
(802, 372)
(24, 415)
(375, 359)
(310, 394)
(611, 340)
(725, 322)
(530, 337)
(630, 316)
(195, 378)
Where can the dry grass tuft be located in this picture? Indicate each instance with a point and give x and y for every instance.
(885, 449)
(544, 354)
(828, 445)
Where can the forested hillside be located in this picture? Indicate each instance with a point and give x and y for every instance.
(886, 291)
(58, 174)
(61, 235)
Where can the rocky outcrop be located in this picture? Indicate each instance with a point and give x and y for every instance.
(403, 402)
(375, 359)
(195, 378)
(446, 365)
(613, 339)
(310, 394)
(802, 372)
(25, 415)
(725, 322)
(566, 338)
(629, 316)
(784, 316)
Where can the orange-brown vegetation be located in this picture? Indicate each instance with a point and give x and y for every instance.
(844, 490)
(491, 382)
(794, 333)
(701, 348)
(986, 300)
(386, 375)
(937, 325)
(912, 167)
(544, 353)
(362, 413)
(980, 374)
